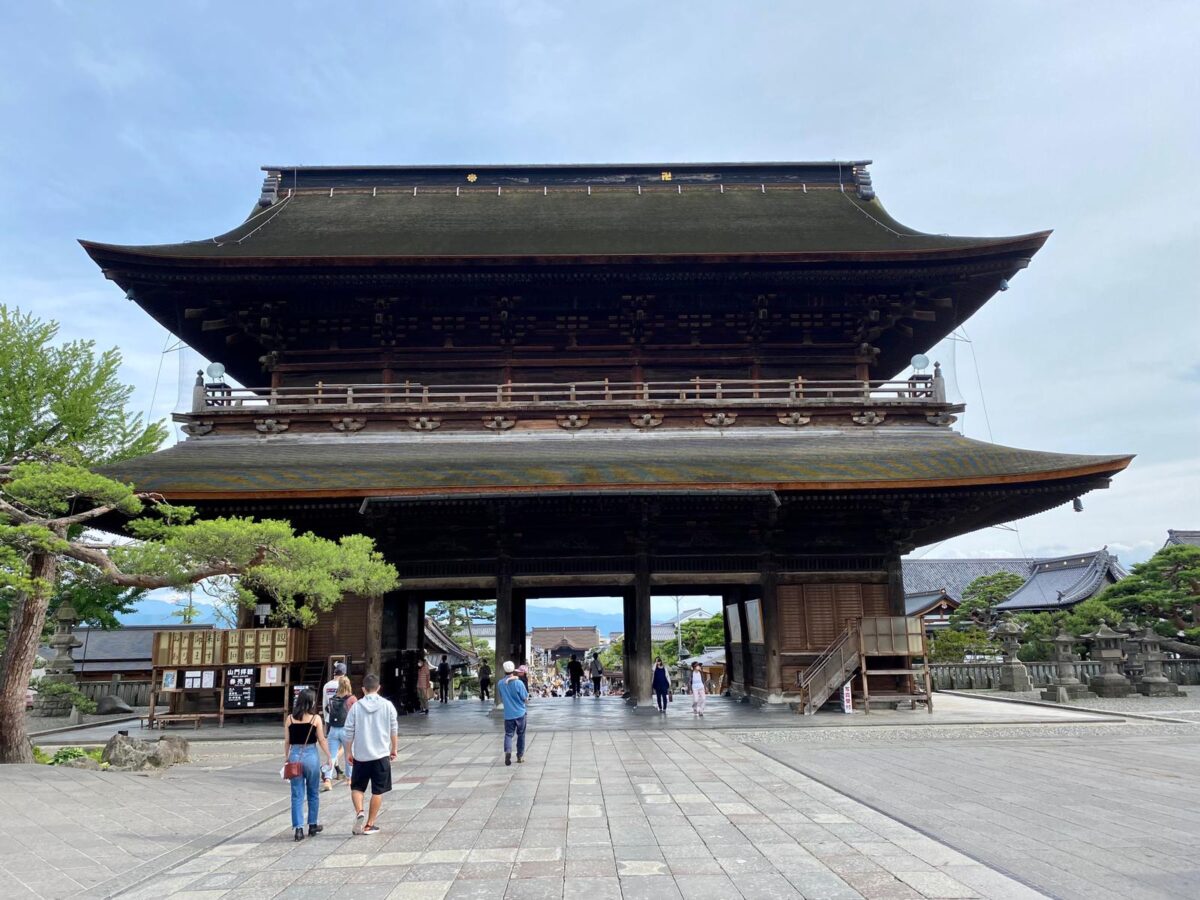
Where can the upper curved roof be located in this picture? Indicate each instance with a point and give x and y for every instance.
(779, 211)
(425, 464)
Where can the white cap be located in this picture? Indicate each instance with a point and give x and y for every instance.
(508, 666)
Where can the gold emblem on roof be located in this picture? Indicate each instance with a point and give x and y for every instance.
(472, 178)
(666, 176)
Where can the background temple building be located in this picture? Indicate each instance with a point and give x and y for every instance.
(935, 587)
(552, 381)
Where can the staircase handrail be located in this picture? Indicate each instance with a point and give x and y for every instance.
(833, 659)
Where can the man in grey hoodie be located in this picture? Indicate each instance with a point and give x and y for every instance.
(370, 733)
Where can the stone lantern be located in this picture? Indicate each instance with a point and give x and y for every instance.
(1066, 685)
(1132, 648)
(1013, 675)
(60, 669)
(1153, 682)
(1106, 649)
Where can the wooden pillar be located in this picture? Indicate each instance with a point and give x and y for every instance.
(374, 635)
(727, 599)
(629, 613)
(895, 583)
(519, 604)
(772, 634)
(639, 652)
(504, 623)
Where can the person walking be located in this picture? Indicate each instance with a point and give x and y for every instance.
(423, 686)
(698, 693)
(371, 735)
(329, 691)
(303, 733)
(336, 710)
(443, 673)
(575, 673)
(513, 694)
(661, 685)
(596, 670)
(485, 682)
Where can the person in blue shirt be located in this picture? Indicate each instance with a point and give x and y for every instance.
(513, 695)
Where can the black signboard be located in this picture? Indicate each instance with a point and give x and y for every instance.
(239, 687)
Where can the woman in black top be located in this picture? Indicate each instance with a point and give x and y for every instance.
(661, 684)
(303, 733)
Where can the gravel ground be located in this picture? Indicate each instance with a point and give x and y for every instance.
(1185, 706)
(903, 735)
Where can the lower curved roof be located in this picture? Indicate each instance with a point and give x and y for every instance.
(365, 465)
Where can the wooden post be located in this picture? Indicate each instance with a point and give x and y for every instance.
(504, 622)
(628, 663)
(643, 650)
(862, 661)
(769, 579)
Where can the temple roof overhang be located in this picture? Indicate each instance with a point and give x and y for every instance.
(322, 241)
(753, 459)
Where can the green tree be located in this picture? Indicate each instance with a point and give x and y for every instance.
(43, 501)
(979, 599)
(65, 395)
(613, 656)
(951, 644)
(1163, 591)
(457, 616)
(701, 633)
(61, 405)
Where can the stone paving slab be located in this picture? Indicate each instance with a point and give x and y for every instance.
(1109, 813)
(601, 814)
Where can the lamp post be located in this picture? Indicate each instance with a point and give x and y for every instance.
(678, 630)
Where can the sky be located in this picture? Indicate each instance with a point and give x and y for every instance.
(148, 122)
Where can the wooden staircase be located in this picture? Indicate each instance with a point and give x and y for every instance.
(863, 639)
(830, 670)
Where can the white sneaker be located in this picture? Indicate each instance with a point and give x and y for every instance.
(360, 822)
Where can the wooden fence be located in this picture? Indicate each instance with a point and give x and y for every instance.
(984, 676)
(134, 692)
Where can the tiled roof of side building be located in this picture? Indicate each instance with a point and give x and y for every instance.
(382, 214)
(578, 638)
(1064, 581)
(918, 604)
(1182, 536)
(425, 464)
(124, 649)
(929, 576)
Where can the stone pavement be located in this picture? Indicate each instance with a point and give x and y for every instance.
(597, 814)
(565, 714)
(1095, 813)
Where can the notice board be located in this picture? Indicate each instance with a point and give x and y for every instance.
(239, 687)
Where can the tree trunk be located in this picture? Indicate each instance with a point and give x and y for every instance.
(18, 660)
(374, 635)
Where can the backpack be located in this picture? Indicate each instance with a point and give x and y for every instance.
(335, 709)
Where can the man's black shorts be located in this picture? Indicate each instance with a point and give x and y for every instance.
(375, 772)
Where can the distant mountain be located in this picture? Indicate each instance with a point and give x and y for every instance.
(158, 612)
(563, 617)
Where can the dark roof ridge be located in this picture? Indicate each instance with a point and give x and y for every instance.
(492, 167)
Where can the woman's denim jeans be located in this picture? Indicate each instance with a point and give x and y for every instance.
(336, 733)
(310, 783)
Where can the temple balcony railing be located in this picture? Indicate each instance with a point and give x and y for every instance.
(717, 402)
(697, 391)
